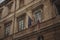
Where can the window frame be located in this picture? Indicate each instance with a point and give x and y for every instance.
(38, 8)
(1, 10)
(22, 18)
(35, 15)
(21, 4)
(57, 6)
(40, 37)
(5, 25)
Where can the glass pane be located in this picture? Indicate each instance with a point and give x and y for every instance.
(21, 24)
(38, 16)
(7, 28)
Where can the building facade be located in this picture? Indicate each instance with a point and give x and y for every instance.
(30, 20)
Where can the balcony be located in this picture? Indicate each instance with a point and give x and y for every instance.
(37, 28)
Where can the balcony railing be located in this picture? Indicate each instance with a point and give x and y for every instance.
(26, 31)
(36, 27)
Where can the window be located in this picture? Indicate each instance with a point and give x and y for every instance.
(37, 12)
(40, 38)
(57, 4)
(7, 28)
(37, 16)
(21, 22)
(1, 13)
(21, 3)
(0, 26)
(58, 8)
(0, 16)
(10, 5)
(7, 1)
(29, 21)
(17, 39)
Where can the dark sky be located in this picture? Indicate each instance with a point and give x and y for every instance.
(1, 1)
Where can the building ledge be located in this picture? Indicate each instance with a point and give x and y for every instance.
(38, 27)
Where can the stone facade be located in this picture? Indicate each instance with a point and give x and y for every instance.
(47, 29)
